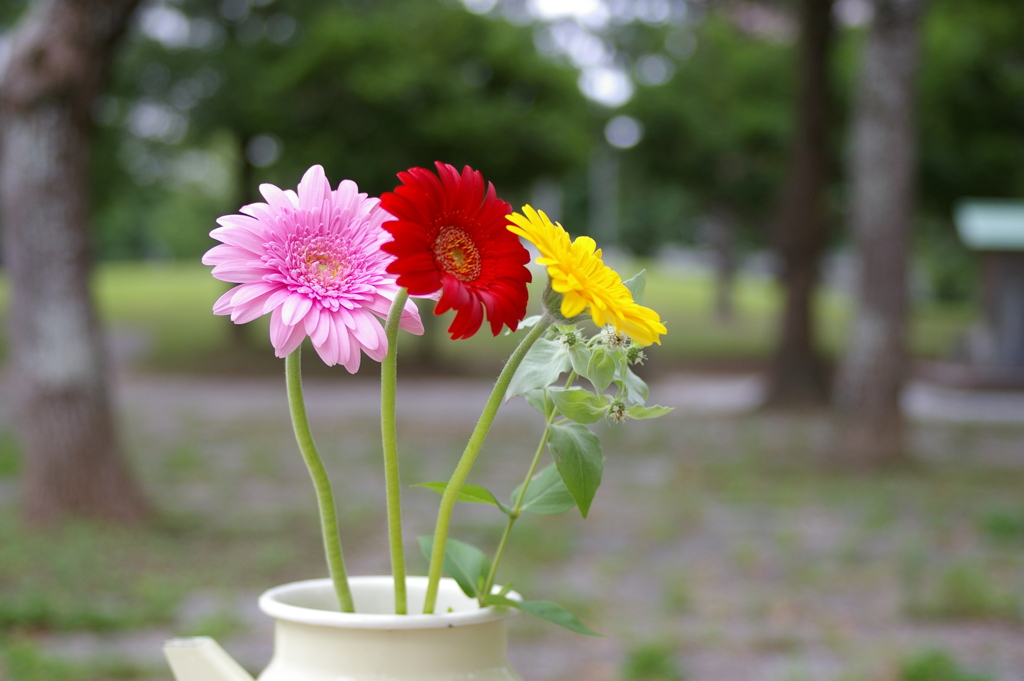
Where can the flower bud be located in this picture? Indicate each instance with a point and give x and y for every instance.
(635, 354)
(571, 337)
(612, 339)
(617, 411)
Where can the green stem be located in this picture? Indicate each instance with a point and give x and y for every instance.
(476, 440)
(322, 483)
(389, 437)
(489, 583)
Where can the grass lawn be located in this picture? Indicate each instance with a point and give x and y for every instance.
(167, 306)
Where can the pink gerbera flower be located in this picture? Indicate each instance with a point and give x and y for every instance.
(311, 259)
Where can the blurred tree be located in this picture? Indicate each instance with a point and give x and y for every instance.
(366, 89)
(54, 69)
(10, 11)
(797, 375)
(716, 132)
(721, 125)
(413, 82)
(882, 177)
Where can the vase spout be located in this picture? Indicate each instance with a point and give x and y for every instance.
(202, 659)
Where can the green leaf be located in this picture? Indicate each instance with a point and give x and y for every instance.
(473, 494)
(582, 406)
(640, 412)
(636, 286)
(601, 369)
(579, 357)
(578, 457)
(545, 610)
(545, 361)
(546, 495)
(529, 322)
(463, 562)
(636, 389)
(535, 398)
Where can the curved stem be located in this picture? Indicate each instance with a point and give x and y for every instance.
(476, 440)
(489, 583)
(322, 483)
(389, 438)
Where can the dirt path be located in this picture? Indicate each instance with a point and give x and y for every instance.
(462, 398)
(707, 545)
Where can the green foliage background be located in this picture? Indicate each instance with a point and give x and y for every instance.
(368, 89)
(365, 89)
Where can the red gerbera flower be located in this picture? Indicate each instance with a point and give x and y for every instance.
(450, 235)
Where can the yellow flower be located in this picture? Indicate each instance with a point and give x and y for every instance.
(578, 273)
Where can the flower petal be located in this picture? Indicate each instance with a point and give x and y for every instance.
(294, 308)
(311, 258)
(575, 269)
(318, 325)
(313, 188)
(449, 233)
(237, 272)
(380, 348)
(276, 198)
(362, 328)
(283, 337)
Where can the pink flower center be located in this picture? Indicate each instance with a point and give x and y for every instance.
(456, 254)
(321, 258)
(318, 264)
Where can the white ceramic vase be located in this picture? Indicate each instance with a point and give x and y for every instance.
(315, 642)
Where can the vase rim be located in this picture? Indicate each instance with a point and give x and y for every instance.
(460, 610)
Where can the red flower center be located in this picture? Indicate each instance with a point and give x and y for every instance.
(456, 254)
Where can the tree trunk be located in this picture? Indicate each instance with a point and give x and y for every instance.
(57, 58)
(723, 244)
(882, 163)
(797, 376)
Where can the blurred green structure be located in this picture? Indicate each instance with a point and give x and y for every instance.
(995, 229)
